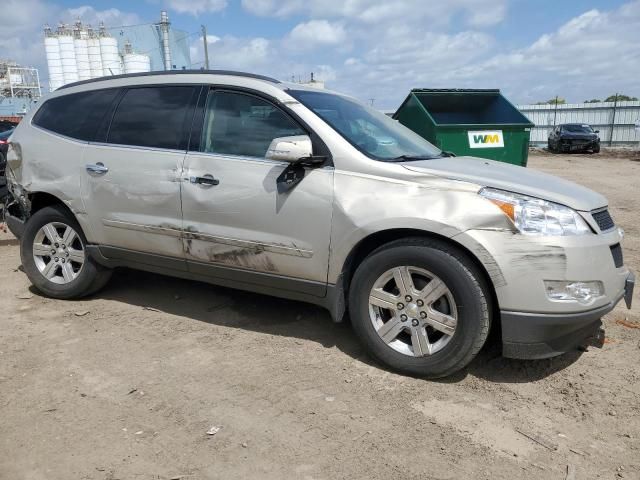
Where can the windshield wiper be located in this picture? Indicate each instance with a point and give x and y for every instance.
(412, 158)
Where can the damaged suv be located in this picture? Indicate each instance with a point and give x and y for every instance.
(243, 181)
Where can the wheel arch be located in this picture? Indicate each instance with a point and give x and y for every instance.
(378, 239)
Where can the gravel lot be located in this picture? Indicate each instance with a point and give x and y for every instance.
(126, 384)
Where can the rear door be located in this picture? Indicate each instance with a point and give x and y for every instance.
(131, 183)
(239, 221)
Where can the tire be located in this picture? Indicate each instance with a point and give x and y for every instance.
(550, 146)
(70, 272)
(467, 292)
(596, 149)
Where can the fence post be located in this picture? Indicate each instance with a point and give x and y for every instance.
(613, 119)
(555, 111)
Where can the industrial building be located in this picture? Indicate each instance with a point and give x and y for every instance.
(81, 52)
(19, 89)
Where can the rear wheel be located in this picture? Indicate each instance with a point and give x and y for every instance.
(420, 307)
(54, 256)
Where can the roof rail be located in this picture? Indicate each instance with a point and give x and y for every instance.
(173, 72)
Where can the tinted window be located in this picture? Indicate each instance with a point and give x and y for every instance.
(77, 115)
(152, 117)
(239, 124)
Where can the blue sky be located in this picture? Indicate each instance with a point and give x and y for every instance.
(532, 50)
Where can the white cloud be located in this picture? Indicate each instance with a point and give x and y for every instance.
(315, 33)
(195, 7)
(476, 12)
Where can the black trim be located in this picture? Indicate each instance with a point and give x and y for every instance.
(15, 224)
(260, 282)
(103, 130)
(543, 335)
(172, 72)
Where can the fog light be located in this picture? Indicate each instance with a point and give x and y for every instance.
(582, 292)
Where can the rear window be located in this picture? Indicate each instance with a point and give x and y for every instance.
(152, 117)
(77, 115)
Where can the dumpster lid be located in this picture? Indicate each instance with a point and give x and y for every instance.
(455, 107)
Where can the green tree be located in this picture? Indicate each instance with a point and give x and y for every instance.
(621, 98)
(593, 100)
(553, 101)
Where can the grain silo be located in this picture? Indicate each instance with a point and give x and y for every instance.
(95, 57)
(52, 50)
(81, 46)
(67, 54)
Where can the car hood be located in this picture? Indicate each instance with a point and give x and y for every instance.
(489, 173)
(579, 136)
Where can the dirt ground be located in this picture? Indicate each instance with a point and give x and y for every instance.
(126, 384)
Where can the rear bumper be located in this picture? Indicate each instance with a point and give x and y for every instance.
(15, 225)
(537, 335)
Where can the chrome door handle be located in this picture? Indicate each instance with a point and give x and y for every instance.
(206, 180)
(96, 168)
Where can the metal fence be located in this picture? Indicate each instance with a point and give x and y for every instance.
(615, 120)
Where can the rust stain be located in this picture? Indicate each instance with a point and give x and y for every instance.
(628, 323)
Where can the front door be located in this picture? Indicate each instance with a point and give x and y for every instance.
(234, 219)
(131, 183)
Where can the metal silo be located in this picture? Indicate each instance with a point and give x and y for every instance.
(111, 62)
(67, 55)
(95, 57)
(81, 45)
(135, 62)
(52, 50)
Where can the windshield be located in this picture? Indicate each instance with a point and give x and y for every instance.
(578, 128)
(372, 132)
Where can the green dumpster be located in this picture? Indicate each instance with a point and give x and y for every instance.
(478, 123)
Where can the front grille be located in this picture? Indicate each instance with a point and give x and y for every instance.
(616, 252)
(604, 220)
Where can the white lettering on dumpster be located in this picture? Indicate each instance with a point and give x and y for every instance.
(486, 139)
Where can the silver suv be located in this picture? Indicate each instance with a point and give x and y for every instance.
(243, 181)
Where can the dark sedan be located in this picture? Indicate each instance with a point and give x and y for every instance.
(574, 137)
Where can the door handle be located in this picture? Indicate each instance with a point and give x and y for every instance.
(206, 180)
(96, 168)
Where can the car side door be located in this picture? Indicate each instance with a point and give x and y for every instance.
(238, 226)
(131, 183)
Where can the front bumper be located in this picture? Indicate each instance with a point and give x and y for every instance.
(578, 145)
(535, 326)
(539, 335)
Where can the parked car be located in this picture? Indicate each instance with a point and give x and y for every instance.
(4, 145)
(6, 125)
(574, 137)
(243, 181)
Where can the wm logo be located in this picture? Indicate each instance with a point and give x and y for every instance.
(486, 139)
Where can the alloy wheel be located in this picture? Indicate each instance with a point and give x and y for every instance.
(58, 253)
(413, 311)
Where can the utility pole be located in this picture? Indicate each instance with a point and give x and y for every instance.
(613, 119)
(206, 47)
(555, 111)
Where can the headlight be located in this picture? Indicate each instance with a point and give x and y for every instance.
(534, 216)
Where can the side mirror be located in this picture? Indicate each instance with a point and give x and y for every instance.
(290, 149)
(596, 131)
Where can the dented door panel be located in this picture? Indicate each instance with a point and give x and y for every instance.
(243, 222)
(136, 204)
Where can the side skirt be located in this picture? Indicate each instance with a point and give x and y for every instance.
(317, 293)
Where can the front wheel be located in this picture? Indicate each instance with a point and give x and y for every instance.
(54, 256)
(420, 307)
